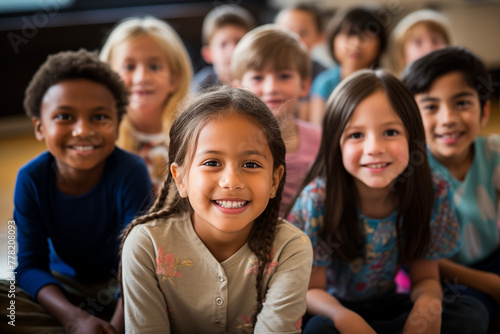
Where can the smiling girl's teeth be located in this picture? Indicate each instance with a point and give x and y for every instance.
(377, 165)
(450, 136)
(231, 204)
(83, 148)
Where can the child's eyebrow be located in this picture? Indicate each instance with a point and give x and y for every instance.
(248, 152)
(152, 58)
(463, 94)
(429, 99)
(458, 95)
(70, 108)
(254, 152)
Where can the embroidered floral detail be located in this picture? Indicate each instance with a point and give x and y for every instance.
(255, 263)
(167, 265)
(247, 326)
(298, 324)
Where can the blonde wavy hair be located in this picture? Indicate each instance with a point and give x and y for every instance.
(177, 57)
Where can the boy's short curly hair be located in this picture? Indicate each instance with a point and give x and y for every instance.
(70, 65)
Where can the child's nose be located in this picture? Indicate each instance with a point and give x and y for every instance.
(447, 116)
(427, 46)
(141, 74)
(356, 41)
(82, 128)
(270, 84)
(231, 179)
(374, 146)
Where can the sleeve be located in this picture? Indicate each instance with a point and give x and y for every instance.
(307, 214)
(445, 234)
(137, 192)
(319, 85)
(33, 271)
(285, 302)
(492, 150)
(145, 307)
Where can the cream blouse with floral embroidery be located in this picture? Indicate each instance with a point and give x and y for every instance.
(173, 284)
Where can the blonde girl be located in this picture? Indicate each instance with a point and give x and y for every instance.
(416, 35)
(155, 66)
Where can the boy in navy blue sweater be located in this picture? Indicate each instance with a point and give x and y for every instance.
(72, 201)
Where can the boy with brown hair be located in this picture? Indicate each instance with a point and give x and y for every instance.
(223, 27)
(275, 65)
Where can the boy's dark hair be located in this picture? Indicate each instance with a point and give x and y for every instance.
(71, 65)
(356, 21)
(222, 16)
(419, 75)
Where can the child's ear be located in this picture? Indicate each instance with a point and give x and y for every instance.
(486, 113)
(177, 175)
(38, 127)
(206, 54)
(277, 175)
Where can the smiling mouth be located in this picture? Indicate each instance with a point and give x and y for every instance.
(376, 166)
(83, 148)
(231, 204)
(450, 135)
(143, 92)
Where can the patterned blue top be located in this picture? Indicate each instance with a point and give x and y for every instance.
(374, 273)
(324, 84)
(477, 199)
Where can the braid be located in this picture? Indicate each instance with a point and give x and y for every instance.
(160, 200)
(261, 243)
(157, 211)
(184, 132)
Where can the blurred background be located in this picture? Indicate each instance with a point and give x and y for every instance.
(30, 30)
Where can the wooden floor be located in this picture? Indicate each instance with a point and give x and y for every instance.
(17, 149)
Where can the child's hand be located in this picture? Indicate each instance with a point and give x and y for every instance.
(492, 281)
(84, 323)
(351, 322)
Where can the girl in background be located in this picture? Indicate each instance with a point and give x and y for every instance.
(370, 204)
(356, 40)
(416, 35)
(213, 256)
(155, 66)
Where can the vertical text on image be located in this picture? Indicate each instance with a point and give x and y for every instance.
(11, 265)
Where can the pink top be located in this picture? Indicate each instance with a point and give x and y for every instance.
(298, 162)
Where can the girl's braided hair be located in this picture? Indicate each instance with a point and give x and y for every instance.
(204, 108)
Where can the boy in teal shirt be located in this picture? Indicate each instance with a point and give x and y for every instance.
(451, 87)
